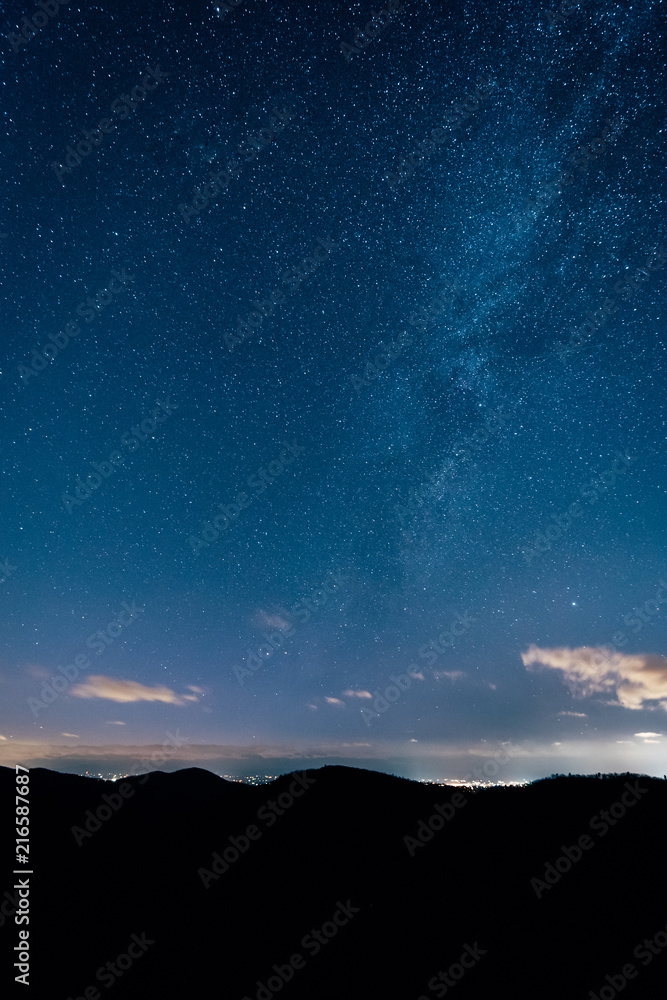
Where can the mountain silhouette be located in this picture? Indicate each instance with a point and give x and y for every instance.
(339, 884)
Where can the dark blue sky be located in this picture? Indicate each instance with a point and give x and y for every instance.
(295, 315)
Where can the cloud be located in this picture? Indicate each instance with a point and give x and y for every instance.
(36, 671)
(266, 619)
(442, 760)
(3, 737)
(647, 736)
(356, 694)
(453, 675)
(575, 715)
(335, 701)
(97, 686)
(116, 723)
(73, 736)
(636, 679)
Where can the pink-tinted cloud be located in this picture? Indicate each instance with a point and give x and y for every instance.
(97, 686)
(636, 680)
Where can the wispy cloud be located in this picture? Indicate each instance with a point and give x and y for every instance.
(264, 619)
(335, 701)
(428, 759)
(98, 686)
(356, 694)
(635, 679)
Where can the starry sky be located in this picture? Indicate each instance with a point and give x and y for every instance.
(332, 409)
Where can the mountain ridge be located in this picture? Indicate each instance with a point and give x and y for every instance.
(228, 880)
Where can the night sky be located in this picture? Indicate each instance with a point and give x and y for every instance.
(333, 387)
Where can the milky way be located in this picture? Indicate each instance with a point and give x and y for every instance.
(334, 341)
